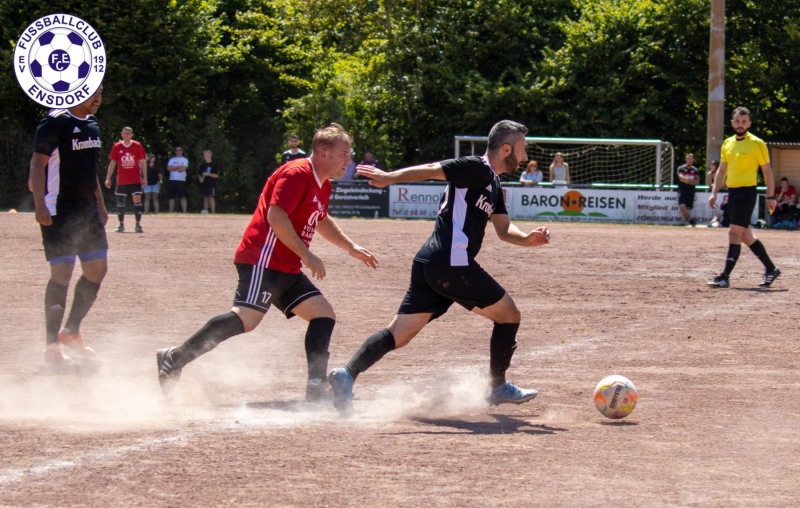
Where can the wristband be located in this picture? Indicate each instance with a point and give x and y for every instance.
(771, 197)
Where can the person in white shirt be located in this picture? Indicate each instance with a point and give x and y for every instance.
(176, 187)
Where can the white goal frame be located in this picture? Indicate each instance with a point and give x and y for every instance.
(663, 154)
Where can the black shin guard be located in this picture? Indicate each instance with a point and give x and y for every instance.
(372, 350)
(733, 256)
(137, 210)
(85, 295)
(501, 349)
(318, 338)
(761, 253)
(215, 331)
(55, 300)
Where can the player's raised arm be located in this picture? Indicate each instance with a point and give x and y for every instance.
(380, 178)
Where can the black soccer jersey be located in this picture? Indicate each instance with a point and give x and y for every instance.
(472, 195)
(73, 145)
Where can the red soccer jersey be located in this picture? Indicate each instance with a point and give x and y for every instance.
(127, 159)
(296, 188)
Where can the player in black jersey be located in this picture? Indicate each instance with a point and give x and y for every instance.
(72, 215)
(444, 270)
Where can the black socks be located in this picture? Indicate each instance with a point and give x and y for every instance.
(215, 331)
(501, 349)
(318, 338)
(372, 350)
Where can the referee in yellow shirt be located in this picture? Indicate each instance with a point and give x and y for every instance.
(741, 156)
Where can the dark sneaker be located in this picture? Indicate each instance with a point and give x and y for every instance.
(719, 282)
(342, 385)
(509, 393)
(693, 222)
(120, 228)
(168, 374)
(318, 390)
(139, 229)
(770, 277)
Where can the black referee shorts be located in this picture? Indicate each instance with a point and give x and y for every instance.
(742, 202)
(260, 288)
(435, 288)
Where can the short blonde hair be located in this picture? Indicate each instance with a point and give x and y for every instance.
(330, 135)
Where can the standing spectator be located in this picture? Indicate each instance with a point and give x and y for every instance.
(129, 157)
(176, 187)
(532, 175)
(786, 197)
(208, 182)
(292, 207)
(71, 212)
(688, 178)
(559, 171)
(371, 160)
(445, 271)
(294, 151)
(155, 177)
(712, 174)
(741, 156)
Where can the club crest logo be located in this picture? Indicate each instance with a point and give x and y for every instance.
(60, 61)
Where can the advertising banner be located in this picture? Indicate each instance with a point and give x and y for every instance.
(565, 204)
(358, 200)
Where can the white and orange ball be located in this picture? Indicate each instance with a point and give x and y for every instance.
(615, 396)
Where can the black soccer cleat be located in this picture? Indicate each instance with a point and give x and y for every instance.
(719, 282)
(168, 374)
(770, 277)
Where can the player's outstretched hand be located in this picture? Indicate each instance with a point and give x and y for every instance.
(376, 177)
(364, 256)
(315, 266)
(539, 236)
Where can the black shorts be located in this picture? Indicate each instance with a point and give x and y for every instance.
(686, 197)
(742, 202)
(208, 192)
(259, 288)
(75, 233)
(129, 189)
(176, 189)
(434, 289)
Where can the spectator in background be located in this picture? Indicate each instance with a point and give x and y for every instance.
(688, 178)
(208, 183)
(532, 175)
(294, 151)
(559, 171)
(711, 174)
(371, 160)
(350, 170)
(786, 197)
(155, 177)
(176, 187)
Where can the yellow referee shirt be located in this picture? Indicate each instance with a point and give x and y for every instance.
(743, 158)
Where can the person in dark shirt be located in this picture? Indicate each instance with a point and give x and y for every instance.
(72, 215)
(445, 271)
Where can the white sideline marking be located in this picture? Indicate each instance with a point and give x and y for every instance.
(21, 474)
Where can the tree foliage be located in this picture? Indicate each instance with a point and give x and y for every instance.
(404, 77)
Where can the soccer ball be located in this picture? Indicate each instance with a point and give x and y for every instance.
(61, 60)
(615, 396)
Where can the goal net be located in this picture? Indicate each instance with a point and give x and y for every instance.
(593, 162)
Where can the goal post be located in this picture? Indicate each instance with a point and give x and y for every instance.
(594, 162)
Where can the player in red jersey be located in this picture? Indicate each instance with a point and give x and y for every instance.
(292, 207)
(129, 156)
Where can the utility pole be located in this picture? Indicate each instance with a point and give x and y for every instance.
(715, 127)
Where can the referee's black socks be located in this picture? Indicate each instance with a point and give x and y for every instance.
(761, 253)
(501, 349)
(372, 350)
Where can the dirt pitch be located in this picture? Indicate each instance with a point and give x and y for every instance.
(718, 421)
